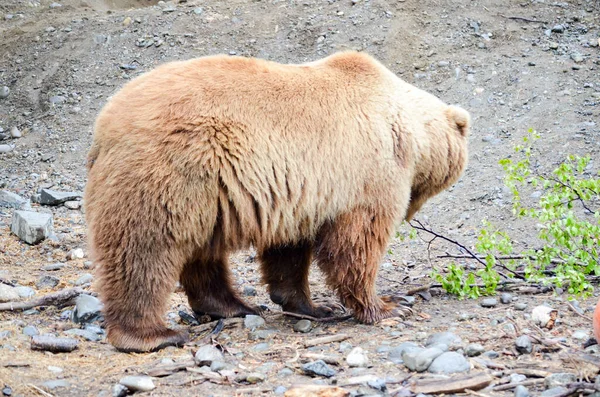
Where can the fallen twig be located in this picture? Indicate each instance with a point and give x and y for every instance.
(453, 385)
(574, 309)
(522, 19)
(315, 319)
(170, 369)
(53, 344)
(326, 339)
(6, 281)
(42, 392)
(318, 356)
(526, 383)
(60, 298)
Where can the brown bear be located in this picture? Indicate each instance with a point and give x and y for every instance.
(200, 158)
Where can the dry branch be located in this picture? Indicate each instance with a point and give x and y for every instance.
(53, 344)
(60, 298)
(326, 339)
(526, 383)
(453, 385)
(522, 19)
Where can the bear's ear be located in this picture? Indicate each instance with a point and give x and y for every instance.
(460, 117)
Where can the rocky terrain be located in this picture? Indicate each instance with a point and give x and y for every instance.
(513, 65)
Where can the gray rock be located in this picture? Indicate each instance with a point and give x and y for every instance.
(396, 353)
(285, 372)
(85, 334)
(474, 349)
(57, 99)
(559, 379)
(56, 384)
(53, 266)
(450, 363)
(94, 328)
(47, 281)
(138, 383)
(11, 200)
(5, 334)
(279, 390)
(25, 292)
(53, 197)
(357, 358)
(73, 205)
(506, 298)
(444, 338)
(303, 326)
(6, 148)
(55, 5)
(252, 322)
(31, 227)
(517, 378)
(520, 306)
(420, 361)
(577, 57)
(266, 367)
(489, 302)
(87, 309)
(84, 279)
(249, 291)
(261, 347)
(206, 354)
(255, 377)
(580, 335)
(30, 330)
(217, 366)
(8, 293)
(4, 92)
(523, 344)
(198, 10)
(521, 391)
(119, 390)
(555, 391)
(318, 368)
(558, 29)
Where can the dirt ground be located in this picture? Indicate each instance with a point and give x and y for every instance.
(514, 65)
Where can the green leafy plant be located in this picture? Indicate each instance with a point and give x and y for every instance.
(568, 229)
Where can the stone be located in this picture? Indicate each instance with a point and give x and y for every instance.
(520, 306)
(30, 330)
(56, 384)
(198, 10)
(252, 322)
(357, 358)
(521, 391)
(76, 253)
(421, 360)
(53, 197)
(542, 315)
(577, 57)
(555, 391)
(559, 379)
(523, 344)
(449, 363)
(87, 309)
(489, 302)
(138, 383)
(280, 390)
(57, 99)
(580, 335)
(6, 148)
(85, 278)
(4, 92)
(303, 326)
(318, 368)
(8, 293)
(53, 267)
(15, 132)
(85, 334)
(506, 298)
(206, 354)
(558, 29)
(255, 377)
(395, 354)
(474, 349)
(31, 227)
(72, 204)
(54, 369)
(249, 291)
(25, 292)
(444, 338)
(217, 366)
(261, 347)
(12, 200)
(47, 281)
(119, 390)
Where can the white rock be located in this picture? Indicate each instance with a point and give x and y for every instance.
(357, 358)
(138, 383)
(8, 293)
(15, 133)
(544, 316)
(76, 253)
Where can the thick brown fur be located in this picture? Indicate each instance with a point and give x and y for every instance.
(197, 159)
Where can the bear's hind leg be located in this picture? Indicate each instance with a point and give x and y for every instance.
(348, 250)
(135, 289)
(285, 271)
(207, 283)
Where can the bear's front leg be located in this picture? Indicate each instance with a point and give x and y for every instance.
(348, 250)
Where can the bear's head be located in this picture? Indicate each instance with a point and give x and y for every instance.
(441, 155)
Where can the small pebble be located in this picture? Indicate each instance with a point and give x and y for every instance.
(520, 306)
(521, 391)
(255, 377)
(8, 293)
(85, 278)
(357, 358)
(30, 330)
(249, 291)
(318, 368)
(506, 298)
(47, 282)
(252, 322)
(206, 354)
(76, 253)
(4, 92)
(449, 363)
(559, 379)
(303, 326)
(444, 338)
(489, 302)
(15, 132)
(555, 391)
(474, 349)
(523, 344)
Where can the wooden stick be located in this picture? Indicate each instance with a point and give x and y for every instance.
(453, 385)
(53, 344)
(59, 298)
(316, 319)
(526, 383)
(326, 339)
